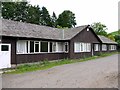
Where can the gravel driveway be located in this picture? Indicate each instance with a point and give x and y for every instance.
(99, 73)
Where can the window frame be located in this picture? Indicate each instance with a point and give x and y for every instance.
(28, 43)
(83, 47)
(104, 49)
(112, 47)
(39, 44)
(98, 47)
(77, 47)
(47, 47)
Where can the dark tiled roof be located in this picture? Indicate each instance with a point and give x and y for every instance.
(69, 33)
(20, 29)
(106, 40)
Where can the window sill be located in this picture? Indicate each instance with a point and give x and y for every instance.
(104, 50)
(43, 53)
(82, 52)
(112, 50)
(96, 50)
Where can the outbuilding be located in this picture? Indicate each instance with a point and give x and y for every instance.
(26, 43)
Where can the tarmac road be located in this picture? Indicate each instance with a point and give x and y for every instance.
(99, 73)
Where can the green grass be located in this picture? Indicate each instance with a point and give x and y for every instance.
(46, 64)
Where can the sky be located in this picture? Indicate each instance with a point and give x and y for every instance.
(86, 11)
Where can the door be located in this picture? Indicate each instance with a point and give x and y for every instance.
(5, 56)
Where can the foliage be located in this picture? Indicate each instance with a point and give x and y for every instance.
(116, 36)
(25, 12)
(45, 17)
(110, 36)
(99, 28)
(15, 11)
(117, 39)
(54, 20)
(66, 19)
(33, 14)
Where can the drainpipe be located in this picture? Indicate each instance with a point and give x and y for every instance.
(63, 33)
(63, 39)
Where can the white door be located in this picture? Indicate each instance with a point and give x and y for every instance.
(5, 56)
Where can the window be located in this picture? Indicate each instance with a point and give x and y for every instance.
(54, 46)
(82, 47)
(77, 47)
(115, 47)
(36, 48)
(40, 46)
(85, 47)
(96, 47)
(51, 46)
(31, 46)
(4, 47)
(60, 46)
(66, 47)
(112, 47)
(21, 46)
(104, 47)
(44, 46)
(88, 47)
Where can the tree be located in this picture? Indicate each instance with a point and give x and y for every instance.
(45, 17)
(54, 20)
(117, 39)
(14, 10)
(33, 15)
(21, 11)
(110, 36)
(66, 19)
(100, 29)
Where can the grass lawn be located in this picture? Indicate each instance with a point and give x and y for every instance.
(48, 64)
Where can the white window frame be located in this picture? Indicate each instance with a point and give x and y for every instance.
(82, 47)
(112, 47)
(39, 42)
(25, 47)
(96, 47)
(76, 47)
(104, 47)
(88, 47)
(40, 46)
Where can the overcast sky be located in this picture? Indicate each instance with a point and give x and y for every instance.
(86, 11)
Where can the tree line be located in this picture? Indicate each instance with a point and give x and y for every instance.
(25, 12)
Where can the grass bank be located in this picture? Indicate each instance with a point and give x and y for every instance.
(47, 64)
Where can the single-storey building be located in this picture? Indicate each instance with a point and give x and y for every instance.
(27, 42)
(107, 44)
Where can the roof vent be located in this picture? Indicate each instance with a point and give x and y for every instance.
(87, 29)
